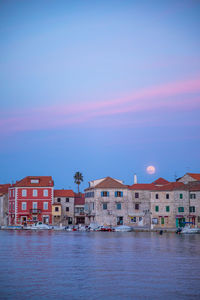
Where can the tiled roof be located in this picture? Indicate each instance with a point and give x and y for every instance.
(64, 193)
(195, 176)
(45, 181)
(160, 181)
(79, 199)
(4, 188)
(109, 183)
(142, 186)
(171, 186)
(193, 186)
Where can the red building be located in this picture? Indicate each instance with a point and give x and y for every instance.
(30, 200)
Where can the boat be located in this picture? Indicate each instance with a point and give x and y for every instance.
(188, 230)
(123, 228)
(38, 226)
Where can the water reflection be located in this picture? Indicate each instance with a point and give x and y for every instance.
(98, 265)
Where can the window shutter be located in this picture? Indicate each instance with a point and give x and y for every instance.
(115, 194)
(122, 194)
(108, 194)
(101, 194)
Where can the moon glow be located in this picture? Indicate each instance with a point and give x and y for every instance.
(151, 169)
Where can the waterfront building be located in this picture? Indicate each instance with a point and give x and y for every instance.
(56, 213)
(4, 204)
(106, 202)
(30, 200)
(169, 205)
(79, 205)
(66, 200)
(139, 204)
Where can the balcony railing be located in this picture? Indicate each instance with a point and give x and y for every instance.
(35, 211)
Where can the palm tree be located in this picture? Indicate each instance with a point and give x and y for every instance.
(78, 178)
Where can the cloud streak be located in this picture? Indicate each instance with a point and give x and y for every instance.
(171, 96)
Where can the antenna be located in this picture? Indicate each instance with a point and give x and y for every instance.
(175, 176)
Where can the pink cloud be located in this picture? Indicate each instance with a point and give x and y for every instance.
(149, 99)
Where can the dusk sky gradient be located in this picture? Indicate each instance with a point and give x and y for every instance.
(101, 87)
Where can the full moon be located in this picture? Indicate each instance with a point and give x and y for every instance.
(151, 169)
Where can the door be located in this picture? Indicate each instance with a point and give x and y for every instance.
(162, 221)
(23, 220)
(46, 219)
(119, 220)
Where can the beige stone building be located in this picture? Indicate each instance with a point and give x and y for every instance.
(168, 205)
(107, 202)
(140, 202)
(66, 200)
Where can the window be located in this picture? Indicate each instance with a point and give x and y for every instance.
(45, 193)
(67, 200)
(136, 205)
(35, 193)
(34, 219)
(58, 200)
(192, 208)
(136, 195)
(118, 194)
(104, 206)
(162, 221)
(167, 208)
(56, 208)
(157, 196)
(181, 196)
(34, 180)
(45, 205)
(181, 209)
(13, 205)
(24, 193)
(140, 219)
(167, 196)
(89, 195)
(23, 205)
(154, 221)
(10, 193)
(198, 219)
(192, 196)
(156, 208)
(119, 206)
(104, 194)
(67, 208)
(34, 205)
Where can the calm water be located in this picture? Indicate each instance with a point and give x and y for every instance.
(101, 265)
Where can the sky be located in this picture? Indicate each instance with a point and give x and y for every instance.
(105, 88)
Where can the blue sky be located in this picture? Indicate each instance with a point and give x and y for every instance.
(101, 87)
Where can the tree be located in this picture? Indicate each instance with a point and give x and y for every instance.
(78, 178)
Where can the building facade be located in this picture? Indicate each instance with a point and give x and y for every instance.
(79, 209)
(106, 202)
(30, 200)
(4, 204)
(66, 200)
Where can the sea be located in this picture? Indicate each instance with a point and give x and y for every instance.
(98, 265)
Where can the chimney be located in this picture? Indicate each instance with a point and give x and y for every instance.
(135, 179)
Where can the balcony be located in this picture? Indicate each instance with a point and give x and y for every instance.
(35, 211)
